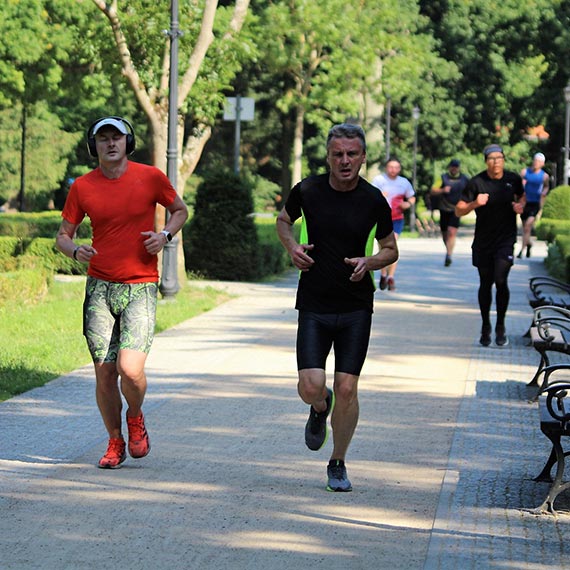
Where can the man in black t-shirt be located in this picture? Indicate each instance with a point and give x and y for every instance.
(497, 196)
(448, 190)
(341, 215)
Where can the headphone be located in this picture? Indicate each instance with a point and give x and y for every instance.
(131, 143)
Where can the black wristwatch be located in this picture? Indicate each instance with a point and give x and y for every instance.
(167, 234)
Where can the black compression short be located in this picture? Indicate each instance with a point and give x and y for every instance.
(349, 333)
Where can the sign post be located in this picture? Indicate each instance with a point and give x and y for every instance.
(238, 109)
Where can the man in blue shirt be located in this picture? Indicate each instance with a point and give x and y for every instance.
(536, 185)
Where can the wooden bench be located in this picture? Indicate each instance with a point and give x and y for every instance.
(554, 413)
(549, 332)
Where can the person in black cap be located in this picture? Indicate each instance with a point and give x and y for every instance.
(448, 189)
(497, 196)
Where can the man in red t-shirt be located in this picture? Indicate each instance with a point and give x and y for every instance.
(120, 198)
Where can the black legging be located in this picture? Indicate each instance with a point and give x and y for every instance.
(497, 274)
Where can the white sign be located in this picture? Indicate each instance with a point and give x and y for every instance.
(246, 108)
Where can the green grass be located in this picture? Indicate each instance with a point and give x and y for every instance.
(41, 342)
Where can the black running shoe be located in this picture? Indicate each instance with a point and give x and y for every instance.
(316, 432)
(338, 480)
(485, 339)
(501, 338)
(448, 260)
(383, 282)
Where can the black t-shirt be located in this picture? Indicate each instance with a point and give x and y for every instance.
(496, 223)
(338, 224)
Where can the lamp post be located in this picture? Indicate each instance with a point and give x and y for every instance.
(169, 285)
(415, 116)
(567, 134)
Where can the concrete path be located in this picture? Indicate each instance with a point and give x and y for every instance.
(441, 462)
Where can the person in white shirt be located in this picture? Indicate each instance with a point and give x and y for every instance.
(400, 195)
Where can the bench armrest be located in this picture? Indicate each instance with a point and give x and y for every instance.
(535, 283)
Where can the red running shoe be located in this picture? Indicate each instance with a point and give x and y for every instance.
(139, 443)
(114, 455)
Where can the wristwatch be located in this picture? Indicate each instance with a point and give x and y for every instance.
(167, 234)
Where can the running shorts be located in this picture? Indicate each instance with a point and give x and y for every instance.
(531, 210)
(483, 258)
(349, 333)
(447, 219)
(118, 316)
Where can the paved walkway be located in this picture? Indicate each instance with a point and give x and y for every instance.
(441, 463)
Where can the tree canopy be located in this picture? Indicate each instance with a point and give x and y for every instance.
(478, 72)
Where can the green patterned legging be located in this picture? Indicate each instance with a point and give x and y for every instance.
(118, 316)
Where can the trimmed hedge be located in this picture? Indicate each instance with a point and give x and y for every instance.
(547, 229)
(37, 224)
(221, 238)
(16, 253)
(558, 259)
(557, 204)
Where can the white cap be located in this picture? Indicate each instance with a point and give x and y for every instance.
(539, 156)
(119, 125)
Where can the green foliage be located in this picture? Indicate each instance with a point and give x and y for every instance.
(10, 248)
(44, 251)
(557, 204)
(547, 229)
(558, 259)
(273, 258)
(25, 286)
(45, 159)
(221, 238)
(37, 224)
(264, 194)
(478, 37)
(40, 253)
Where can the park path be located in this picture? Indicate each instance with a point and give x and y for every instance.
(441, 462)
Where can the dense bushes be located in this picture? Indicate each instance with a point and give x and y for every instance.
(557, 204)
(38, 224)
(554, 227)
(221, 238)
(27, 266)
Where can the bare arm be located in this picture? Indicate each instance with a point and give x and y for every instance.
(64, 243)
(463, 208)
(545, 189)
(178, 211)
(296, 251)
(387, 255)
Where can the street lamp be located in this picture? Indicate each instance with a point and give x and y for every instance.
(567, 133)
(415, 116)
(169, 285)
(388, 119)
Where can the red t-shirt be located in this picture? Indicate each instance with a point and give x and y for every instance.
(119, 210)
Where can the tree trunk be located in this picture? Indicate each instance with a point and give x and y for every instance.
(297, 174)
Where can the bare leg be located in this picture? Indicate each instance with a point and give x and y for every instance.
(444, 238)
(345, 413)
(130, 364)
(390, 270)
(312, 388)
(108, 397)
(450, 240)
(527, 229)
